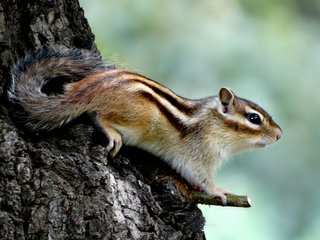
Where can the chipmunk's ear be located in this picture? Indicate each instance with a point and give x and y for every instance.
(227, 99)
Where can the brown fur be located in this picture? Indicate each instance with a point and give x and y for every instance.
(193, 136)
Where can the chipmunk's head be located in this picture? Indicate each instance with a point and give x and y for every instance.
(248, 125)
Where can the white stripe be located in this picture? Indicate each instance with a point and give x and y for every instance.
(139, 86)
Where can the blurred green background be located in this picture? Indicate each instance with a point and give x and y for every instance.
(267, 51)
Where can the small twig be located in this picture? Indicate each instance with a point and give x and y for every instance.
(198, 197)
(232, 200)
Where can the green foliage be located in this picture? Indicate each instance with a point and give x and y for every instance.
(267, 51)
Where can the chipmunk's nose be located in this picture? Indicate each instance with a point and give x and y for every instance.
(278, 134)
(278, 137)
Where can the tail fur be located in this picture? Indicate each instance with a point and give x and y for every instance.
(36, 69)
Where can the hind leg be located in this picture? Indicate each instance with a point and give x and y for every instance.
(115, 140)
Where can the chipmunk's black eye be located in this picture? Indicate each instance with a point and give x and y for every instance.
(254, 118)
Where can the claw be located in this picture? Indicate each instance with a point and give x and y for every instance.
(116, 144)
(220, 193)
(115, 140)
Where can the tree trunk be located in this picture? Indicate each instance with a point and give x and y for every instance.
(61, 185)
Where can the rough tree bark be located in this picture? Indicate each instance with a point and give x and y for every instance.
(61, 185)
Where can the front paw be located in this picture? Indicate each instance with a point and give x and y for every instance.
(220, 193)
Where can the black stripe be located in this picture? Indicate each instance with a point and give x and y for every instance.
(170, 97)
(172, 119)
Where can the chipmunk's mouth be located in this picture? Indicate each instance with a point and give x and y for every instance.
(260, 145)
(264, 141)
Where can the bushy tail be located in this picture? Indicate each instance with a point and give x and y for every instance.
(34, 71)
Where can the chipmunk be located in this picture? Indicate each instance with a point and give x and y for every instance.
(193, 136)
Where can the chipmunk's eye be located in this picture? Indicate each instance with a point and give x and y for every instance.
(254, 118)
